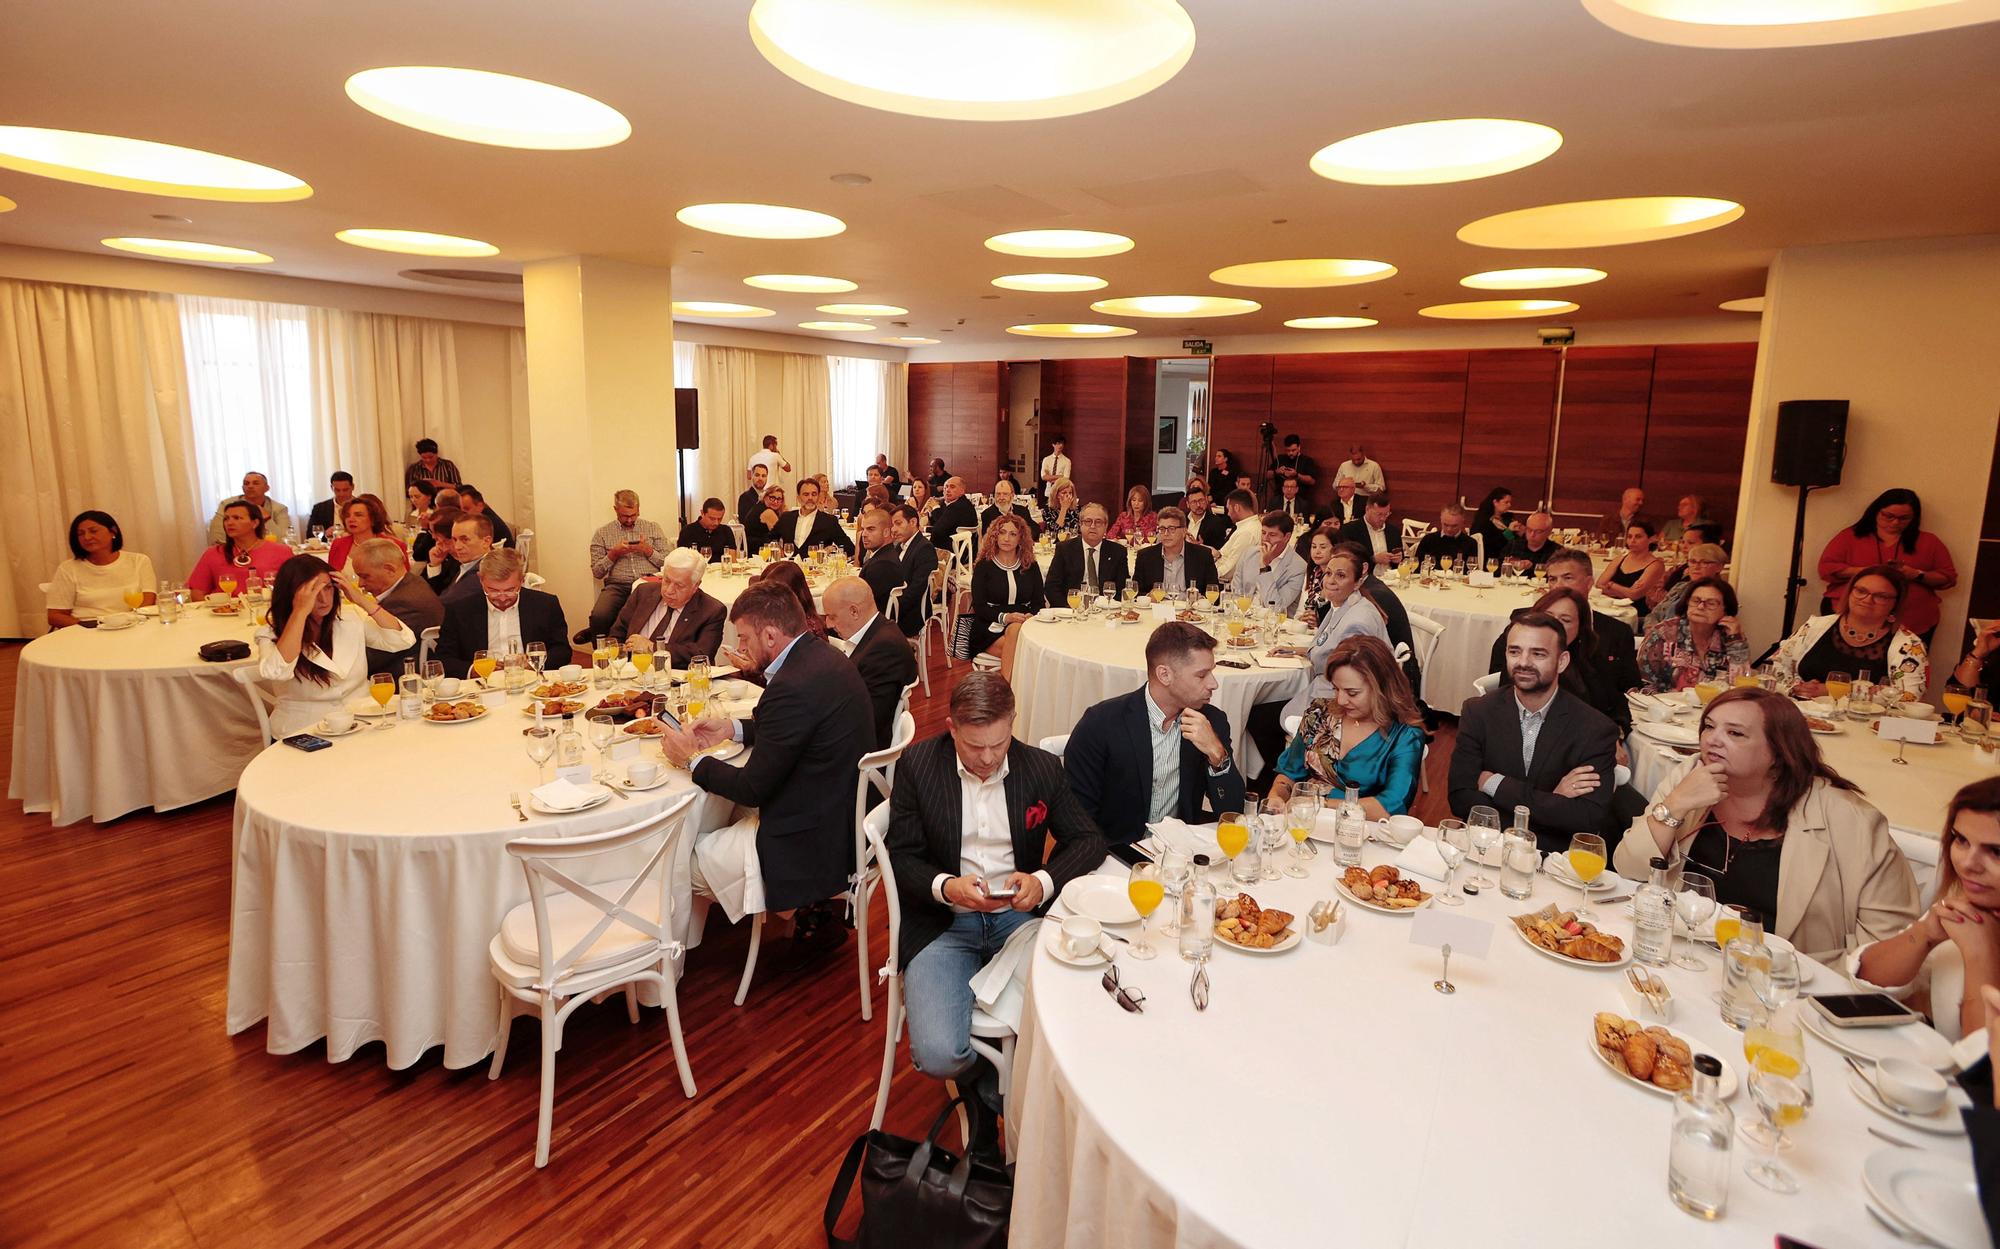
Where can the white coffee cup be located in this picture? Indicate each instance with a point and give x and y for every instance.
(570, 672)
(216, 599)
(449, 687)
(1403, 828)
(643, 772)
(1081, 935)
(1919, 711)
(1909, 1085)
(338, 721)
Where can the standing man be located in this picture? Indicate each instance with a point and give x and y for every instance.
(1245, 534)
(879, 651)
(1365, 473)
(1276, 575)
(471, 542)
(1293, 464)
(806, 527)
(257, 493)
(1372, 533)
(750, 508)
(1173, 564)
(706, 533)
(773, 462)
(1629, 505)
(952, 515)
(496, 612)
(1160, 751)
(1055, 467)
(1004, 502)
(919, 560)
(620, 553)
(881, 567)
(673, 616)
(430, 467)
(1087, 559)
(327, 511)
(381, 568)
(1206, 526)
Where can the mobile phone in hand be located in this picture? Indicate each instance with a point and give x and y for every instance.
(997, 892)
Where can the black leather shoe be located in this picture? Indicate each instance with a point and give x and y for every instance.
(984, 1127)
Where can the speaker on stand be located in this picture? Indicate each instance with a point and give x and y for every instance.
(687, 437)
(1811, 450)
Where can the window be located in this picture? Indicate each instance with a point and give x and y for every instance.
(250, 398)
(858, 388)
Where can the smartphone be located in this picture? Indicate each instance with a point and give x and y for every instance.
(1232, 663)
(997, 892)
(1862, 1010)
(306, 741)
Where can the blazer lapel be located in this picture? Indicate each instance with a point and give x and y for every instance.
(1802, 861)
(1507, 736)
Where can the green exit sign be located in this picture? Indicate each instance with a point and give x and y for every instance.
(1198, 346)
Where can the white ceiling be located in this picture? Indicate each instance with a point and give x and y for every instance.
(1886, 139)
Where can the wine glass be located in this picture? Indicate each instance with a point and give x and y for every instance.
(433, 673)
(381, 688)
(1454, 842)
(603, 731)
(1957, 697)
(1300, 816)
(1783, 1101)
(1146, 889)
(1231, 836)
(1176, 871)
(541, 746)
(1272, 842)
(1484, 825)
(1587, 858)
(1776, 984)
(538, 657)
(1838, 686)
(1693, 904)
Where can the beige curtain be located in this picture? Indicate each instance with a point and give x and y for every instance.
(92, 415)
(380, 383)
(896, 419)
(726, 378)
(805, 415)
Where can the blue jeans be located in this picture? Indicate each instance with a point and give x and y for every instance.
(937, 989)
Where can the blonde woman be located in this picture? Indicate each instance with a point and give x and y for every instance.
(1006, 581)
(1065, 514)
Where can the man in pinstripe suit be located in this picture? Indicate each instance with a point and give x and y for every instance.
(969, 821)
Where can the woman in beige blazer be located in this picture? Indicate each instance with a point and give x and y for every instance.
(1779, 830)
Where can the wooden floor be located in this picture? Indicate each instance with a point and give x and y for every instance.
(131, 1119)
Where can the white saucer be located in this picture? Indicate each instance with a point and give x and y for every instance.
(104, 626)
(626, 784)
(1946, 1122)
(1052, 942)
(1103, 898)
(369, 709)
(320, 730)
(1932, 1194)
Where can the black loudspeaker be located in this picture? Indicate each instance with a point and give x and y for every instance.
(687, 419)
(1812, 442)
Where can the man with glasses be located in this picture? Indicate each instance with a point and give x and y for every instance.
(1533, 543)
(1206, 525)
(1175, 563)
(501, 615)
(1089, 559)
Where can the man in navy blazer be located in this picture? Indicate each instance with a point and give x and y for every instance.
(919, 562)
(1160, 750)
(808, 525)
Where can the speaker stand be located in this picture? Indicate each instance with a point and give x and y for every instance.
(681, 489)
(1793, 581)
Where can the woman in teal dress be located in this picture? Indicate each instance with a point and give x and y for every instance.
(1368, 734)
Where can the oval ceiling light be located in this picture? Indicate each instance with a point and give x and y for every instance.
(1531, 279)
(841, 327)
(719, 308)
(416, 243)
(1302, 273)
(1331, 323)
(120, 164)
(1496, 309)
(1060, 244)
(799, 283)
(976, 60)
(760, 221)
(1427, 152)
(181, 249)
(1071, 331)
(1049, 283)
(479, 106)
(7, 205)
(1784, 23)
(1176, 306)
(863, 310)
(1754, 303)
(912, 340)
(1601, 222)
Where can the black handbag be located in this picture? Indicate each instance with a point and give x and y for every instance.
(223, 651)
(920, 1193)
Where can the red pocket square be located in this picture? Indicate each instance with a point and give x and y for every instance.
(1037, 815)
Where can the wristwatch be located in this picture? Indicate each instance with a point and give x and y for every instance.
(1660, 812)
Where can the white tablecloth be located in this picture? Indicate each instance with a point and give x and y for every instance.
(110, 721)
(1063, 668)
(370, 877)
(1329, 1096)
(1472, 619)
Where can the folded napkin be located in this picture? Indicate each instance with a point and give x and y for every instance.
(1556, 865)
(563, 795)
(1670, 733)
(1189, 839)
(1421, 857)
(1053, 613)
(1001, 985)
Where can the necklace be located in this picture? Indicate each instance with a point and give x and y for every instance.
(1860, 636)
(242, 558)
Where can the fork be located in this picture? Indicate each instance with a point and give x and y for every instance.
(515, 799)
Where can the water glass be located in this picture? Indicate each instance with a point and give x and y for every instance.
(1520, 859)
(1483, 824)
(1694, 902)
(1274, 839)
(541, 747)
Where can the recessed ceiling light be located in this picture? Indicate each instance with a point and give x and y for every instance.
(851, 179)
(1071, 331)
(1175, 306)
(1784, 23)
(1531, 279)
(1061, 244)
(180, 249)
(416, 243)
(1048, 282)
(1496, 309)
(843, 327)
(1753, 304)
(1331, 323)
(912, 340)
(1299, 273)
(863, 310)
(760, 221)
(479, 106)
(1428, 152)
(976, 60)
(799, 283)
(119, 164)
(1601, 222)
(717, 308)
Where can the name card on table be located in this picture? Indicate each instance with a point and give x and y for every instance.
(625, 750)
(577, 774)
(1436, 926)
(1163, 611)
(1904, 729)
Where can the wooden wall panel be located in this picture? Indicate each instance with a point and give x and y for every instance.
(1086, 399)
(1406, 407)
(1510, 399)
(978, 418)
(1141, 423)
(1602, 440)
(930, 415)
(1239, 400)
(1699, 416)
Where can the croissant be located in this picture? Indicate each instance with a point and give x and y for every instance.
(1594, 947)
(1272, 923)
(1640, 1052)
(1384, 874)
(1356, 878)
(1671, 1073)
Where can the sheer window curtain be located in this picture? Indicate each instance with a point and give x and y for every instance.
(726, 378)
(805, 417)
(870, 414)
(379, 384)
(93, 395)
(251, 398)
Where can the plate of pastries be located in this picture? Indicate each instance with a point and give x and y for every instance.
(646, 727)
(1651, 1057)
(626, 704)
(1383, 888)
(1244, 924)
(559, 689)
(552, 707)
(1562, 936)
(460, 712)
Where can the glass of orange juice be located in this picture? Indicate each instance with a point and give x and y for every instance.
(483, 664)
(381, 688)
(1706, 689)
(1956, 699)
(1146, 889)
(1839, 685)
(1587, 858)
(135, 599)
(227, 584)
(1232, 834)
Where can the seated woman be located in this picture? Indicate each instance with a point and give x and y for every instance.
(1349, 612)
(1006, 581)
(1065, 514)
(423, 498)
(1638, 574)
(1953, 951)
(1862, 637)
(364, 517)
(757, 529)
(1368, 734)
(101, 576)
(923, 498)
(1780, 832)
(1980, 666)
(1702, 643)
(1138, 520)
(314, 651)
(1319, 549)
(1891, 531)
(243, 551)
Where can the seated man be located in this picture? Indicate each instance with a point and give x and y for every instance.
(1372, 533)
(1570, 569)
(1088, 559)
(970, 816)
(1206, 525)
(1531, 743)
(1004, 501)
(327, 512)
(952, 515)
(1275, 576)
(1245, 533)
(881, 654)
(707, 534)
(473, 503)
(1348, 504)
(1293, 505)
(674, 616)
(471, 542)
(1174, 563)
(806, 526)
(1448, 541)
(881, 564)
(919, 560)
(1533, 543)
(500, 614)
(621, 552)
(379, 565)
(1161, 750)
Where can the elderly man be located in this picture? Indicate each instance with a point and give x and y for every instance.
(880, 652)
(919, 560)
(381, 568)
(471, 542)
(1348, 504)
(952, 515)
(1691, 513)
(327, 512)
(1246, 532)
(430, 467)
(621, 552)
(473, 503)
(806, 526)
(969, 821)
(257, 492)
(1703, 560)
(881, 564)
(1449, 540)
(1629, 505)
(1088, 559)
(1003, 503)
(1206, 526)
(1174, 563)
(750, 508)
(1532, 543)
(673, 616)
(1372, 533)
(1365, 473)
(1275, 576)
(499, 615)
(706, 533)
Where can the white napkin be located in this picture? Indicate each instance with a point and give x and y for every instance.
(1053, 613)
(1282, 661)
(1556, 864)
(1669, 732)
(1189, 839)
(1000, 986)
(1421, 857)
(564, 795)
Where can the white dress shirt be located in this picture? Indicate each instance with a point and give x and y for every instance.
(1377, 538)
(1243, 543)
(1366, 476)
(503, 628)
(672, 617)
(1165, 732)
(1057, 464)
(802, 530)
(986, 844)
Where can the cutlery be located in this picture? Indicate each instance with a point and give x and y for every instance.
(1882, 1101)
(515, 800)
(605, 780)
(1198, 988)
(1893, 1140)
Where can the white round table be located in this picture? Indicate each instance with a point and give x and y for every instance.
(111, 721)
(1329, 1095)
(370, 877)
(1472, 618)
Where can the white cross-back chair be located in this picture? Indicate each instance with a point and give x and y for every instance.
(877, 775)
(903, 703)
(1479, 548)
(1482, 686)
(938, 618)
(1425, 632)
(892, 611)
(571, 942)
(1413, 533)
(1055, 745)
(262, 702)
(425, 641)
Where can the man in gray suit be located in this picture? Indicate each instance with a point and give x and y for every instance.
(674, 614)
(383, 570)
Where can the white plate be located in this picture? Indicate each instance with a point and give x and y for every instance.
(1669, 732)
(320, 730)
(1918, 1042)
(474, 720)
(150, 609)
(1052, 942)
(1575, 962)
(727, 750)
(369, 709)
(1725, 1084)
(1562, 874)
(1103, 898)
(626, 784)
(1369, 904)
(1291, 939)
(1946, 1122)
(104, 626)
(601, 797)
(1931, 1193)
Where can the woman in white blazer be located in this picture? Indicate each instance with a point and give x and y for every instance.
(314, 651)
